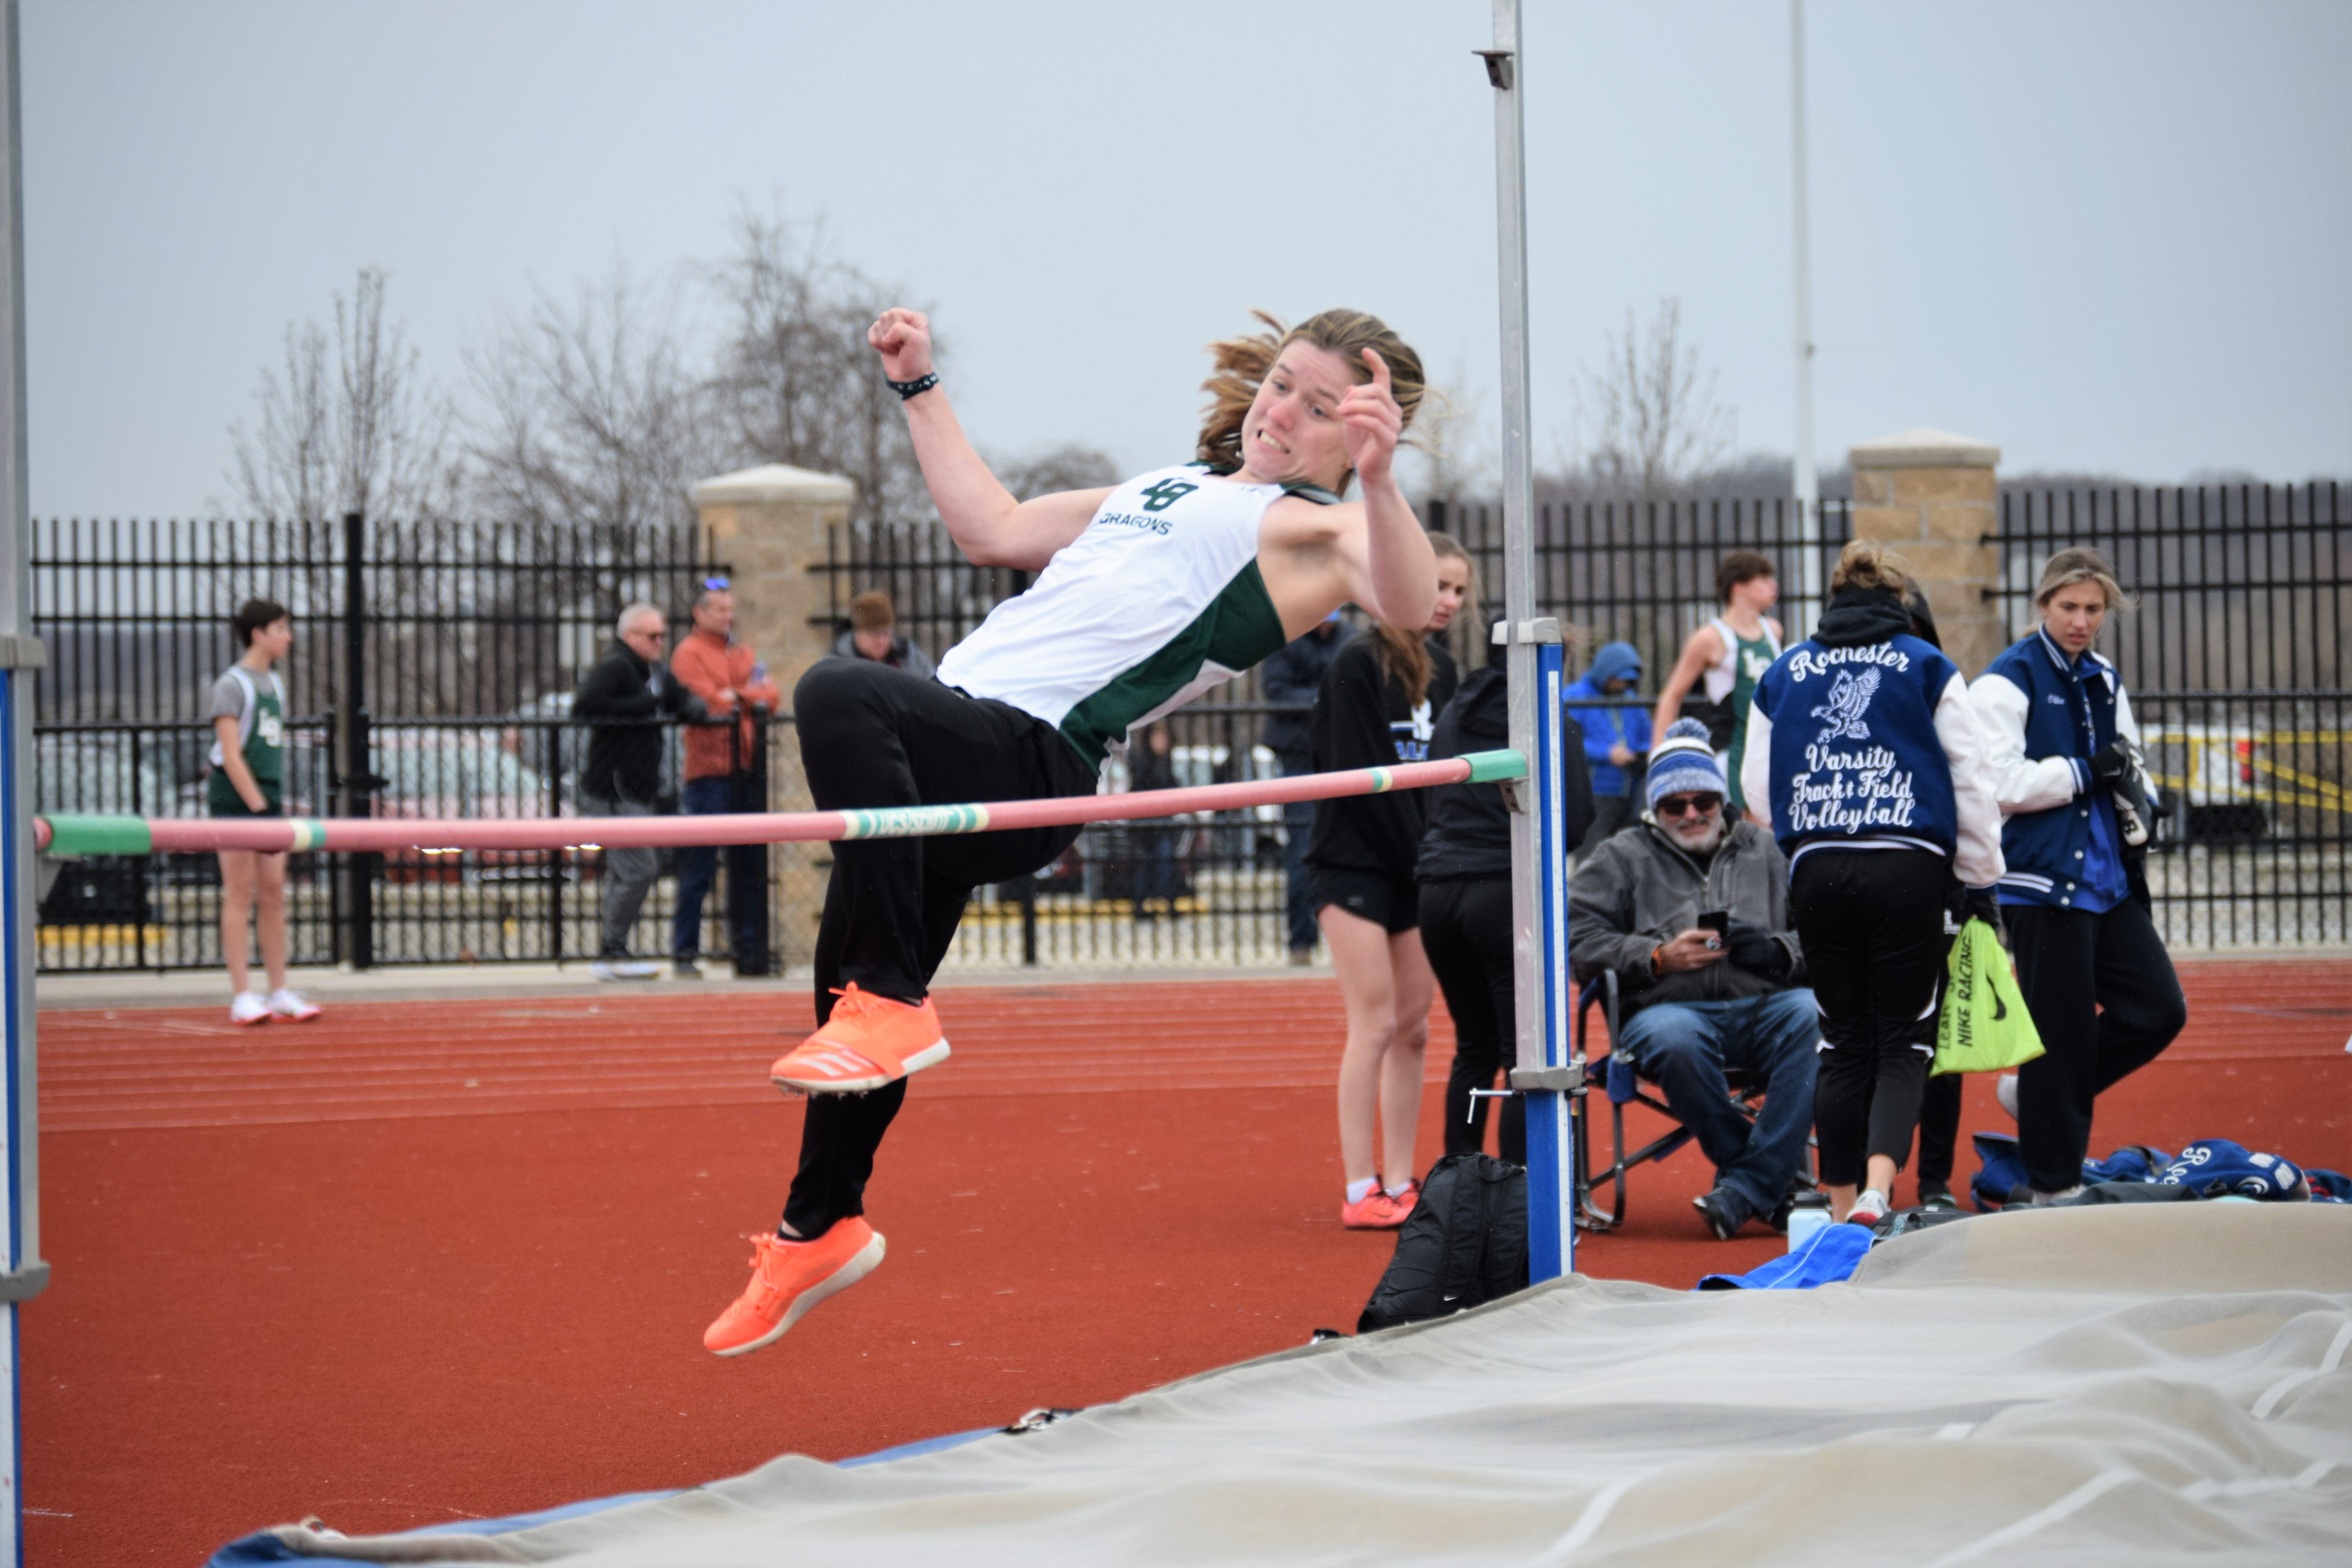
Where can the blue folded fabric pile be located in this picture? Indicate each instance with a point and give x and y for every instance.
(2208, 1168)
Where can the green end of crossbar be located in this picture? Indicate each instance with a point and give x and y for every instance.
(1486, 767)
(99, 835)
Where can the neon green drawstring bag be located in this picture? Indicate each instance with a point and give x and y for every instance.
(1984, 1027)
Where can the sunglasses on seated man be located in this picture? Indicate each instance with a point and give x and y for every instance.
(1681, 805)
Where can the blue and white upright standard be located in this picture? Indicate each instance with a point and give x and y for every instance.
(1543, 1073)
(22, 1274)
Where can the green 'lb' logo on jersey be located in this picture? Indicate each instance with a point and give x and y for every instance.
(1167, 493)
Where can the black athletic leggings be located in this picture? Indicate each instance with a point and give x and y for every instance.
(1871, 921)
(1465, 928)
(2105, 1001)
(872, 735)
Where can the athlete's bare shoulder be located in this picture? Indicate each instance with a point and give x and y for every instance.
(1311, 553)
(1302, 521)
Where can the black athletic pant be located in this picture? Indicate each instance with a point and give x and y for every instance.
(1871, 921)
(1939, 1128)
(1465, 928)
(2107, 1002)
(872, 735)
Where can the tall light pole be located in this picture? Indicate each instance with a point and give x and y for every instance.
(1808, 483)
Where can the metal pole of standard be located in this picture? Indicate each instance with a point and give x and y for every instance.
(20, 654)
(1808, 485)
(1532, 650)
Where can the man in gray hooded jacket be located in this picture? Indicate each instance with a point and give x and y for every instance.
(1694, 1003)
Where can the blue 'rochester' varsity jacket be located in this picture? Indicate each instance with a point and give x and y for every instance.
(1872, 747)
(2042, 719)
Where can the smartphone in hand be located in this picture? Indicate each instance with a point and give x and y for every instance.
(1716, 923)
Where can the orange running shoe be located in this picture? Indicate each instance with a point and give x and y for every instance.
(788, 1277)
(1406, 1199)
(868, 1042)
(1375, 1211)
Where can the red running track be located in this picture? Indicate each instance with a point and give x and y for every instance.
(423, 1261)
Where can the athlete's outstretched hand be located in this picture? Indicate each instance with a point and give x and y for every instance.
(1371, 423)
(903, 338)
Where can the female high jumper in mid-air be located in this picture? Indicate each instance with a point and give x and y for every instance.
(1147, 596)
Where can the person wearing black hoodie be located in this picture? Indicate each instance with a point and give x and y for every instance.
(1465, 872)
(1864, 742)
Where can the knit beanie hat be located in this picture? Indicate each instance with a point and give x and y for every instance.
(1683, 763)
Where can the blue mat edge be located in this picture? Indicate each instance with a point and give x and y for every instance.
(262, 1547)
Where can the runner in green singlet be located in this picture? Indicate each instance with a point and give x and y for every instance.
(1730, 654)
(248, 714)
(1750, 657)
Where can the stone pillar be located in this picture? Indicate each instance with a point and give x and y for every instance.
(1929, 497)
(770, 525)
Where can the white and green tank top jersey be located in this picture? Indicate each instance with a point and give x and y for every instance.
(1744, 662)
(260, 709)
(1156, 602)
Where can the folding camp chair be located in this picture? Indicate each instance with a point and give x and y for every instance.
(1623, 1085)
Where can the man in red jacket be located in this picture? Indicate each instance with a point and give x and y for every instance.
(722, 774)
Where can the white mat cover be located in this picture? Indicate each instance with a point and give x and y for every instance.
(2139, 1385)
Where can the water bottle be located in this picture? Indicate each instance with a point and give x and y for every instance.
(1808, 1212)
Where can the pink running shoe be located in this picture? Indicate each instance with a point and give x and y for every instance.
(788, 1277)
(1375, 1211)
(868, 1042)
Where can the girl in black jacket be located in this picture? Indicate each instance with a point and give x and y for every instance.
(1465, 903)
(1378, 706)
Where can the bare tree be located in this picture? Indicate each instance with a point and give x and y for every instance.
(368, 435)
(591, 413)
(1455, 444)
(1657, 425)
(1069, 467)
(795, 380)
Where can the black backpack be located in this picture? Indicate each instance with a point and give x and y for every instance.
(1464, 1244)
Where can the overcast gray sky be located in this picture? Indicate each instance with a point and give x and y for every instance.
(2108, 236)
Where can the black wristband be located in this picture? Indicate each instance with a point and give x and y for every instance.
(915, 388)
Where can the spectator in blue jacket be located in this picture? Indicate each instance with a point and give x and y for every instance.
(1616, 740)
(2064, 751)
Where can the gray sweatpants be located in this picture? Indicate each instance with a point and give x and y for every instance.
(629, 873)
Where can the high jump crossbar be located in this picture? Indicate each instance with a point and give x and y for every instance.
(63, 835)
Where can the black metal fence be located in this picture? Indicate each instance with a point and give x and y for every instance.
(414, 620)
(2235, 656)
(435, 662)
(423, 906)
(2236, 660)
(472, 640)
(1643, 572)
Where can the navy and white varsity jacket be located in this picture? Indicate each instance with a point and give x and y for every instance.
(1875, 747)
(2042, 719)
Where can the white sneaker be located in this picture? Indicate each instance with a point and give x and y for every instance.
(1870, 1206)
(249, 1007)
(2004, 1090)
(292, 1007)
(624, 969)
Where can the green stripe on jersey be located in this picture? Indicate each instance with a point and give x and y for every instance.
(1237, 629)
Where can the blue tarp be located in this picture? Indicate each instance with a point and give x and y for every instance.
(1830, 1254)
